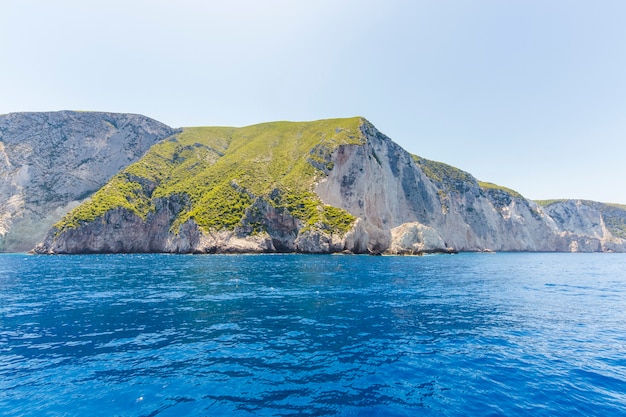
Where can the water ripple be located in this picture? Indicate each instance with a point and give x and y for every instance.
(159, 335)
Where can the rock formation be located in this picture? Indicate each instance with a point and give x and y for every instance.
(319, 187)
(414, 205)
(51, 162)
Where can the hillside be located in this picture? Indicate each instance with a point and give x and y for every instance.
(223, 183)
(314, 187)
(584, 216)
(50, 162)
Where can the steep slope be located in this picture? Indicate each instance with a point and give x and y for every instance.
(317, 187)
(218, 190)
(599, 226)
(409, 204)
(50, 162)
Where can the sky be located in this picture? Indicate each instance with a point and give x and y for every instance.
(528, 94)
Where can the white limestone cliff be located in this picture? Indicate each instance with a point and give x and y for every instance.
(403, 210)
(402, 205)
(50, 162)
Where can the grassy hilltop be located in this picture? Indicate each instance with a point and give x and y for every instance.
(222, 170)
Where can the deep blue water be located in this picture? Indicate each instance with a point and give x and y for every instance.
(260, 335)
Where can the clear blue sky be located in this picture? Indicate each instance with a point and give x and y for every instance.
(529, 94)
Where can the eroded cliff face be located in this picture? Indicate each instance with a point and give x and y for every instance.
(401, 204)
(588, 226)
(407, 207)
(403, 210)
(51, 162)
(379, 183)
(122, 231)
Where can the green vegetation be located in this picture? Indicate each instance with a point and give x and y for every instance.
(614, 215)
(337, 219)
(618, 206)
(448, 178)
(617, 225)
(491, 186)
(442, 173)
(120, 192)
(223, 170)
(452, 178)
(546, 203)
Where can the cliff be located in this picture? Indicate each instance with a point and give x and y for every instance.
(589, 226)
(317, 187)
(218, 190)
(51, 162)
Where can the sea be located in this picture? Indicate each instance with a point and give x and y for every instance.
(505, 334)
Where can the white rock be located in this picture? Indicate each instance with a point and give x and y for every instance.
(49, 162)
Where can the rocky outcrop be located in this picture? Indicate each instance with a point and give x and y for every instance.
(589, 226)
(122, 231)
(51, 162)
(379, 183)
(414, 239)
(400, 203)
(411, 205)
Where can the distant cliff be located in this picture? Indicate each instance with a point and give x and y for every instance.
(589, 226)
(317, 187)
(50, 162)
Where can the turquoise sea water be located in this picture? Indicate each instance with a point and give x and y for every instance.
(261, 335)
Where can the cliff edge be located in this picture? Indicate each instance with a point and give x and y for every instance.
(328, 186)
(51, 162)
